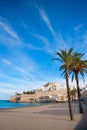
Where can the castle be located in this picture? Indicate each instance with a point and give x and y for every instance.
(47, 93)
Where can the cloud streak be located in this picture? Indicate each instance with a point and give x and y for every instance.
(6, 61)
(32, 47)
(45, 18)
(19, 84)
(9, 36)
(26, 71)
(45, 41)
(7, 28)
(46, 45)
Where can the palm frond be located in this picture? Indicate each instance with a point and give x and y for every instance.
(62, 67)
(78, 55)
(70, 51)
(73, 75)
(57, 59)
(85, 70)
(70, 72)
(63, 73)
(82, 74)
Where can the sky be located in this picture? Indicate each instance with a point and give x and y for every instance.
(31, 31)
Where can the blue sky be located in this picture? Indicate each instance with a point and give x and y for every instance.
(30, 32)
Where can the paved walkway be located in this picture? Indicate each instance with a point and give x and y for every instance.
(82, 125)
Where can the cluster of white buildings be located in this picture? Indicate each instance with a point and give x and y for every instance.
(51, 86)
(48, 92)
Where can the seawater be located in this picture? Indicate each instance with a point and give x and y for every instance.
(7, 104)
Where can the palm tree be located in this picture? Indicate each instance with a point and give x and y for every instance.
(65, 57)
(78, 66)
(73, 93)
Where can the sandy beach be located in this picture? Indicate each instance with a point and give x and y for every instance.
(47, 117)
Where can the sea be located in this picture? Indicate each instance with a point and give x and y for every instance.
(6, 104)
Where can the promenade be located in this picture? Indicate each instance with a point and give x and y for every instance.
(47, 117)
(82, 125)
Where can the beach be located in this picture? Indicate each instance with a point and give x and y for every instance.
(45, 117)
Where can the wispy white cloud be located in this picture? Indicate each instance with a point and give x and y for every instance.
(60, 43)
(9, 36)
(46, 45)
(15, 80)
(79, 42)
(4, 90)
(7, 28)
(45, 18)
(57, 43)
(24, 72)
(45, 41)
(6, 61)
(32, 47)
(24, 69)
(19, 84)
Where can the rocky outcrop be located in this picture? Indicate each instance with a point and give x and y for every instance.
(15, 98)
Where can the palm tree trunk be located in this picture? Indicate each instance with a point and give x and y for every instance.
(68, 93)
(78, 91)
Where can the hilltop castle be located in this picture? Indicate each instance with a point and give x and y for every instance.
(47, 93)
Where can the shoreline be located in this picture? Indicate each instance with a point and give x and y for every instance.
(20, 107)
(32, 104)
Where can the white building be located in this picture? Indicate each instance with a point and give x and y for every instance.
(50, 87)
